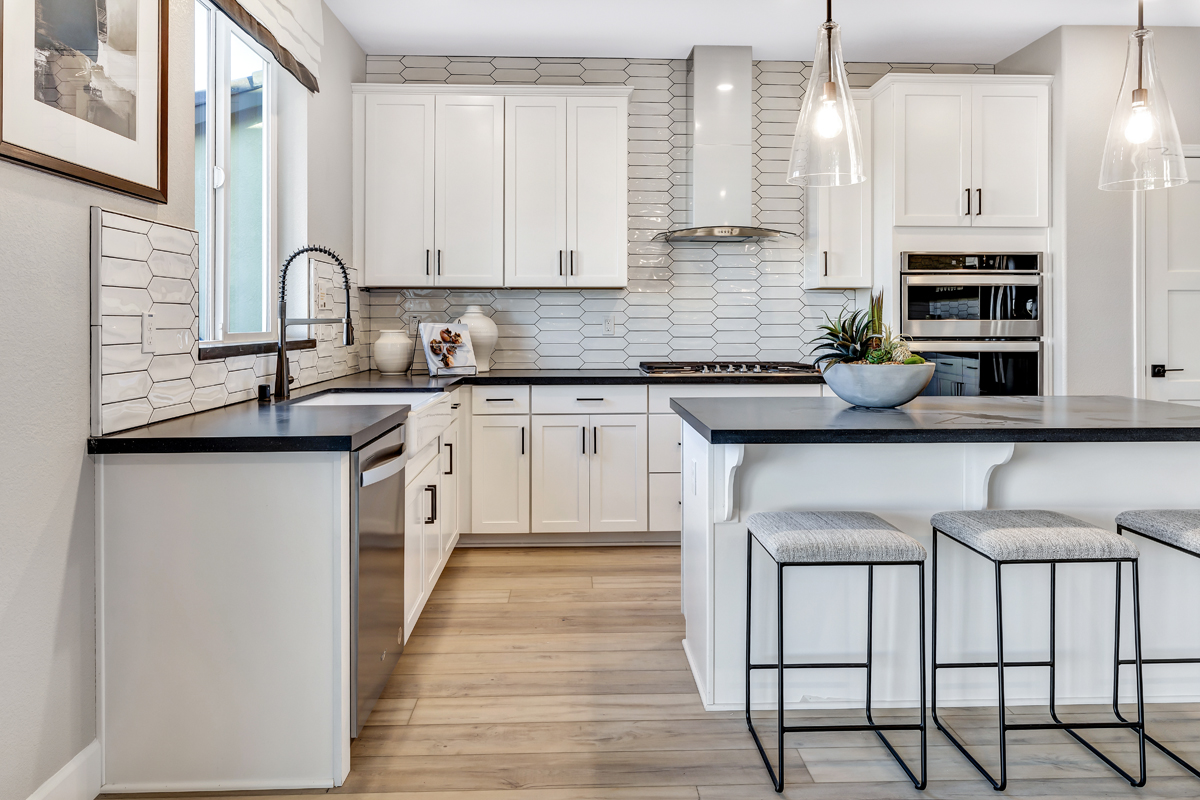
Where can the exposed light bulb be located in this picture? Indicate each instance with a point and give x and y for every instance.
(829, 121)
(1141, 123)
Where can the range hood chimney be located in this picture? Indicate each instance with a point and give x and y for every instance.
(719, 83)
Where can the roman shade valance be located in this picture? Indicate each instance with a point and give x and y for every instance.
(292, 30)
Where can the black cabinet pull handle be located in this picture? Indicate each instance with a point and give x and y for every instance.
(560, 254)
(979, 203)
(451, 446)
(522, 440)
(825, 253)
(439, 262)
(572, 262)
(968, 202)
(432, 518)
(589, 399)
(497, 399)
(454, 406)
(426, 262)
(595, 441)
(583, 430)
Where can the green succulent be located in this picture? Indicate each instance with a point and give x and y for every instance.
(847, 339)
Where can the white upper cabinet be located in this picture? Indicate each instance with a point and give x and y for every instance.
(933, 154)
(838, 246)
(535, 191)
(469, 191)
(397, 172)
(597, 157)
(491, 186)
(971, 152)
(1010, 155)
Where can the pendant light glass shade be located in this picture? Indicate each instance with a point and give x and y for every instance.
(827, 150)
(1143, 150)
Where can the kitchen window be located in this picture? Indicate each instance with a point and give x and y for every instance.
(235, 186)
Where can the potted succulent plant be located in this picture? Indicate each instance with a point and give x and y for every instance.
(865, 364)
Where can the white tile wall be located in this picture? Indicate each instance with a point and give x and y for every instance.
(687, 302)
(138, 266)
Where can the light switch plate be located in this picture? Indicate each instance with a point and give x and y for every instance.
(148, 331)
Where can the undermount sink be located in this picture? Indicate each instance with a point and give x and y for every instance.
(414, 399)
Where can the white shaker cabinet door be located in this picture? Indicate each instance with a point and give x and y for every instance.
(397, 186)
(666, 501)
(1010, 154)
(469, 229)
(932, 170)
(619, 472)
(666, 442)
(535, 191)
(500, 474)
(421, 541)
(597, 189)
(448, 498)
(838, 250)
(560, 483)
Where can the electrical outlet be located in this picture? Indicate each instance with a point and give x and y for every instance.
(610, 325)
(413, 321)
(148, 331)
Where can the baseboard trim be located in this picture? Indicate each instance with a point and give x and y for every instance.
(640, 538)
(79, 779)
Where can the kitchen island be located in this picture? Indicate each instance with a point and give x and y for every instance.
(1091, 457)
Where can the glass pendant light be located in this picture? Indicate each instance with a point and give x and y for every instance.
(827, 150)
(1143, 150)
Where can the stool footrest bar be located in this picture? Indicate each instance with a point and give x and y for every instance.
(913, 726)
(847, 665)
(990, 664)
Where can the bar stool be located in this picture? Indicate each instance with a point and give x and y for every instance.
(1037, 537)
(1179, 530)
(826, 539)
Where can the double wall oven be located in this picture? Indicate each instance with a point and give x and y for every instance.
(978, 317)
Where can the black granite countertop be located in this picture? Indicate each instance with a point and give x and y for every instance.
(828, 420)
(264, 427)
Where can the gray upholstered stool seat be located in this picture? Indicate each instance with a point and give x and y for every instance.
(823, 537)
(1178, 527)
(1004, 535)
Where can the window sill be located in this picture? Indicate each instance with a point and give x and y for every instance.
(216, 350)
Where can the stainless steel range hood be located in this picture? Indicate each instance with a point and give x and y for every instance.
(719, 189)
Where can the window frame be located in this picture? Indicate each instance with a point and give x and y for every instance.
(214, 276)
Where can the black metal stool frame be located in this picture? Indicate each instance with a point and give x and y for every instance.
(1119, 662)
(781, 666)
(999, 664)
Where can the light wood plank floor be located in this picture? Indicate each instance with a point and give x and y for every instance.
(557, 674)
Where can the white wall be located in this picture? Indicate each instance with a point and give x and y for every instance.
(47, 585)
(47, 528)
(1092, 235)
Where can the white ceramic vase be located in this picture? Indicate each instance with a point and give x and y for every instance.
(392, 352)
(483, 335)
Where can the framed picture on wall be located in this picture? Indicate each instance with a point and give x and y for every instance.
(83, 91)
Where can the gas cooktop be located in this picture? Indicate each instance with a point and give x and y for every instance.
(726, 368)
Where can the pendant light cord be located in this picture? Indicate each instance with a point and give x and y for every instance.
(829, 34)
(1141, 27)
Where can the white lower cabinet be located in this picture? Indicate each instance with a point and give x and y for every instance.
(666, 442)
(666, 501)
(500, 450)
(422, 537)
(589, 473)
(448, 501)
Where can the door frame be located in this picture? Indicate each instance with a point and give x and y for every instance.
(1141, 334)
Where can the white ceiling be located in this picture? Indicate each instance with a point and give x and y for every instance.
(958, 31)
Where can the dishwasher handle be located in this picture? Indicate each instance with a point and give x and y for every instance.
(383, 470)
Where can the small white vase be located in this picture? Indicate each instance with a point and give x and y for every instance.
(392, 352)
(483, 335)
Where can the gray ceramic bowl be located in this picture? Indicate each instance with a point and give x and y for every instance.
(878, 385)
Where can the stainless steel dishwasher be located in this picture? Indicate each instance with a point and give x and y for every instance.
(376, 570)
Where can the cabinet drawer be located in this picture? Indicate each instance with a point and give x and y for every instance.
(661, 394)
(666, 495)
(666, 438)
(589, 399)
(500, 399)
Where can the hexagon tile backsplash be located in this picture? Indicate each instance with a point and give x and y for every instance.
(139, 265)
(686, 302)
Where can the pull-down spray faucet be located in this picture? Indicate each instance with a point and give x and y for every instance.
(283, 388)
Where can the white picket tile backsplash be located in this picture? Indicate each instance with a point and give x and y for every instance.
(684, 302)
(142, 266)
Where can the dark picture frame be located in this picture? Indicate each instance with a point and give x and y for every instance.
(29, 154)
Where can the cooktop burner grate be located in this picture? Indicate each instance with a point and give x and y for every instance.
(726, 368)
